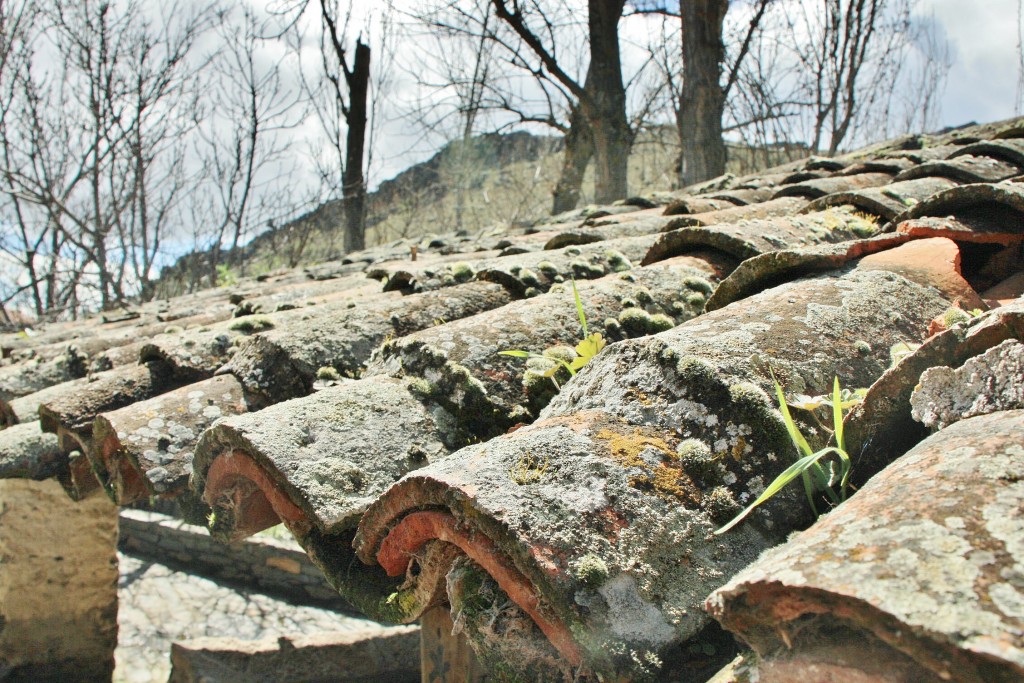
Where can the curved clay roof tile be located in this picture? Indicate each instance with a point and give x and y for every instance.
(456, 387)
(596, 520)
(541, 270)
(743, 197)
(783, 206)
(26, 452)
(1010, 150)
(892, 166)
(984, 212)
(881, 428)
(912, 578)
(146, 449)
(284, 361)
(702, 204)
(749, 238)
(965, 168)
(814, 189)
(887, 201)
(825, 164)
(602, 230)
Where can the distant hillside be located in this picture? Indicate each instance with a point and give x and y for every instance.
(424, 197)
(497, 179)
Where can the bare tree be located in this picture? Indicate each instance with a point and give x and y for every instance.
(92, 145)
(462, 65)
(23, 246)
(601, 98)
(820, 74)
(702, 99)
(1019, 102)
(923, 68)
(339, 95)
(846, 59)
(484, 78)
(694, 80)
(244, 158)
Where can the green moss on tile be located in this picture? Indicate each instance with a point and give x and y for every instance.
(698, 284)
(637, 322)
(251, 324)
(327, 374)
(721, 505)
(462, 271)
(591, 571)
(617, 261)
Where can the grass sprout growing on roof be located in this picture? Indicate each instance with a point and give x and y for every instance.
(816, 478)
(588, 347)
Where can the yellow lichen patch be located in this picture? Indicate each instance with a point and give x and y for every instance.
(665, 478)
(676, 483)
(736, 451)
(626, 448)
(640, 397)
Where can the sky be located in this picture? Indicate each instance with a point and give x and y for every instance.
(982, 84)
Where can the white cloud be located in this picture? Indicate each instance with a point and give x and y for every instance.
(982, 83)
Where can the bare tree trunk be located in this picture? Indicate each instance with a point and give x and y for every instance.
(605, 106)
(353, 182)
(579, 149)
(602, 99)
(702, 99)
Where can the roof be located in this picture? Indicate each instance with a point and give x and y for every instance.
(417, 465)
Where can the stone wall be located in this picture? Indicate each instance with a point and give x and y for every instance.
(58, 584)
(378, 656)
(271, 566)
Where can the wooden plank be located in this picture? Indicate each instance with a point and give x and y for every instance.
(446, 658)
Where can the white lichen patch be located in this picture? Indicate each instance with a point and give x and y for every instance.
(927, 580)
(954, 522)
(586, 499)
(986, 383)
(631, 616)
(180, 432)
(1004, 518)
(1007, 600)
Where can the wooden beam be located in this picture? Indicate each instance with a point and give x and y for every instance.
(446, 658)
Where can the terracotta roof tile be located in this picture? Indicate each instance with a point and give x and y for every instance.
(594, 519)
(926, 570)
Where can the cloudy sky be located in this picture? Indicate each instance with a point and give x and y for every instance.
(982, 84)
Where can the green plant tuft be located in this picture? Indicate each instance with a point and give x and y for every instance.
(816, 479)
(528, 470)
(588, 347)
(901, 350)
